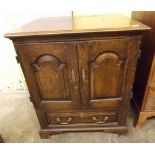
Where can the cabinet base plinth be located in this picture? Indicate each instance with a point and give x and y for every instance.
(46, 133)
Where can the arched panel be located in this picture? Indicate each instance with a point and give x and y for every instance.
(106, 73)
(106, 55)
(51, 75)
(48, 59)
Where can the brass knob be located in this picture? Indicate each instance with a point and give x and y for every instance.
(81, 114)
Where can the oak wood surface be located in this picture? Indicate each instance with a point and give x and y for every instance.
(120, 130)
(50, 66)
(77, 25)
(97, 117)
(103, 63)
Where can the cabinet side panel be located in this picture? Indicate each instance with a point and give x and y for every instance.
(133, 48)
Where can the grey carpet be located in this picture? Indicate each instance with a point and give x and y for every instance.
(19, 124)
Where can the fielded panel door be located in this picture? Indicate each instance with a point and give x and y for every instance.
(103, 66)
(51, 73)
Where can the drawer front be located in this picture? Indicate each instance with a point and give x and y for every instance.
(82, 117)
(150, 102)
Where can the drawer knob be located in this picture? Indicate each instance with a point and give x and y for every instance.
(100, 122)
(58, 120)
(81, 114)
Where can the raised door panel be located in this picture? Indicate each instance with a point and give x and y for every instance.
(103, 66)
(106, 72)
(51, 69)
(51, 76)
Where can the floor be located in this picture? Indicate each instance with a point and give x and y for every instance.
(19, 124)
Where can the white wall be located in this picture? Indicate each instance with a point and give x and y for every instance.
(17, 12)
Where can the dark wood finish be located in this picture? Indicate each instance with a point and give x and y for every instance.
(144, 88)
(102, 68)
(46, 133)
(56, 26)
(79, 79)
(97, 117)
(53, 69)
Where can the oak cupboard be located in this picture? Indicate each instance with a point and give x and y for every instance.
(144, 85)
(79, 73)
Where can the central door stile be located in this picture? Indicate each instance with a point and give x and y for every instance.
(83, 74)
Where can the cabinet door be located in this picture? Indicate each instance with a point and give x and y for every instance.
(106, 71)
(51, 73)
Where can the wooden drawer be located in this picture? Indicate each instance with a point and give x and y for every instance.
(82, 117)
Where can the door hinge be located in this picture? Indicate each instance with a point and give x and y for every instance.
(18, 59)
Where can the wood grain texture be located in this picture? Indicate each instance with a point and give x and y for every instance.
(142, 117)
(76, 25)
(144, 81)
(68, 118)
(113, 85)
(50, 66)
(79, 80)
(120, 130)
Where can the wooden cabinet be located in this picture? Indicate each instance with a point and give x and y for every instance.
(144, 85)
(79, 79)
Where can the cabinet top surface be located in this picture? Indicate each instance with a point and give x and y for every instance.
(77, 24)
